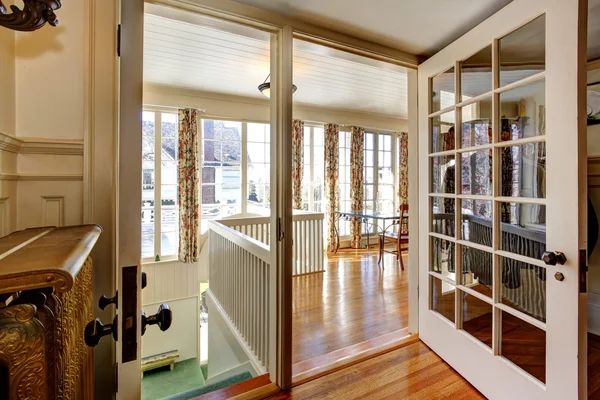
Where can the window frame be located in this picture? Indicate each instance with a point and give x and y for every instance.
(158, 112)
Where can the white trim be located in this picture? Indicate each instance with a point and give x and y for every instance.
(251, 245)
(41, 145)
(42, 177)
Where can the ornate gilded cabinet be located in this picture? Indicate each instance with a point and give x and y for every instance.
(45, 303)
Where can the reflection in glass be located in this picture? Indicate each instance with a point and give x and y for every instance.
(443, 216)
(476, 175)
(442, 132)
(523, 229)
(442, 298)
(442, 175)
(443, 90)
(442, 257)
(522, 53)
(524, 170)
(477, 221)
(524, 345)
(476, 74)
(476, 127)
(477, 270)
(524, 287)
(477, 318)
(523, 111)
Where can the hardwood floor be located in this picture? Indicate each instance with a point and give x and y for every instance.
(412, 372)
(353, 302)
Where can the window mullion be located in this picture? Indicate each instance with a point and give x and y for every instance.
(244, 199)
(157, 181)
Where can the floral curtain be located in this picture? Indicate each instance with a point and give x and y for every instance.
(297, 162)
(332, 148)
(187, 188)
(403, 169)
(403, 174)
(357, 187)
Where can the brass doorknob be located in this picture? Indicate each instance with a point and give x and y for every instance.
(554, 257)
(96, 330)
(162, 318)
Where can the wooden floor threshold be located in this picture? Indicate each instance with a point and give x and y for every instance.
(316, 367)
(256, 388)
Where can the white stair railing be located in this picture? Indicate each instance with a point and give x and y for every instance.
(239, 286)
(307, 233)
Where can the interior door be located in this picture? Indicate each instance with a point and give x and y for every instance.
(502, 189)
(129, 199)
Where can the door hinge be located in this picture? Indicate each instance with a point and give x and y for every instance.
(280, 233)
(119, 40)
(583, 270)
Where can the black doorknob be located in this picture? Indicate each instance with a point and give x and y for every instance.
(96, 330)
(162, 318)
(554, 257)
(104, 301)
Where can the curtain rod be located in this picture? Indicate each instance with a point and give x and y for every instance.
(350, 125)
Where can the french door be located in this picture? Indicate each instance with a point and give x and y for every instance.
(502, 194)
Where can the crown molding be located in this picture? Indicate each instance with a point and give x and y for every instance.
(40, 145)
(42, 177)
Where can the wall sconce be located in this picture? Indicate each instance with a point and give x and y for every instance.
(33, 16)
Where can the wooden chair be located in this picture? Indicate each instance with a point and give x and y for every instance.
(400, 239)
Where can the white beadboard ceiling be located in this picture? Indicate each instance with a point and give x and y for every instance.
(220, 57)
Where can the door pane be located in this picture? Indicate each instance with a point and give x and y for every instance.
(443, 216)
(477, 318)
(442, 175)
(477, 221)
(443, 90)
(477, 270)
(523, 229)
(522, 53)
(524, 170)
(442, 132)
(443, 256)
(523, 111)
(476, 127)
(476, 175)
(476, 74)
(524, 345)
(442, 298)
(524, 287)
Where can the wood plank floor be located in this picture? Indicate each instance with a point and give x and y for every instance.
(352, 302)
(412, 372)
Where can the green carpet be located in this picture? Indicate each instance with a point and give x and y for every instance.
(199, 391)
(162, 382)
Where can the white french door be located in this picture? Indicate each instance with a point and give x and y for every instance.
(502, 194)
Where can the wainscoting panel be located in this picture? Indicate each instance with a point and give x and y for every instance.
(170, 280)
(4, 216)
(53, 210)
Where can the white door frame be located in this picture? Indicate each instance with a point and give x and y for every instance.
(565, 335)
(281, 75)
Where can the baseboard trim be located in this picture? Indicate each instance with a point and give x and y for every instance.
(316, 367)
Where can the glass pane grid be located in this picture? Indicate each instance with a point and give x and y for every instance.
(486, 277)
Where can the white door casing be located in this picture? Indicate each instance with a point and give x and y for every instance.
(564, 200)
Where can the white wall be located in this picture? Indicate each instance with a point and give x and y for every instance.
(183, 334)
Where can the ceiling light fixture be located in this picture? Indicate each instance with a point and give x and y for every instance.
(265, 87)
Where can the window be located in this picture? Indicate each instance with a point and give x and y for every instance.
(344, 178)
(259, 168)
(160, 213)
(221, 170)
(385, 176)
(314, 169)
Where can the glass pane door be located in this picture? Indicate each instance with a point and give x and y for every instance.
(492, 192)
